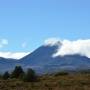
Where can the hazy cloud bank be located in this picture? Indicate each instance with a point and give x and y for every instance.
(14, 55)
(67, 47)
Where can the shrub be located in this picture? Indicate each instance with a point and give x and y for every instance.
(30, 76)
(6, 75)
(17, 72)
(61, 73)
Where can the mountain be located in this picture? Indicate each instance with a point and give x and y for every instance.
(42, 61)
(7, 64)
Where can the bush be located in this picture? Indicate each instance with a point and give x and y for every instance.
(61, 73)
(6, 75)
(18, 72)
(30, 76)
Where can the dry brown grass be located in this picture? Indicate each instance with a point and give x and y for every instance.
(51, 82)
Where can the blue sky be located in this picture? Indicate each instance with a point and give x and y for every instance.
(25, 24)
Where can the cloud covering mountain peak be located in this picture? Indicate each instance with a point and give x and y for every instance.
(79, 46)
(65, 47)
(52, 42)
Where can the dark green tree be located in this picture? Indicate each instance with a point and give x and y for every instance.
(17, 72)
(30, 76)
(6, 75)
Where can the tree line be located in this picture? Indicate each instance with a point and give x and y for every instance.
(18, 73)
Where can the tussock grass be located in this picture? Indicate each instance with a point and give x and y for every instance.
(50, 82)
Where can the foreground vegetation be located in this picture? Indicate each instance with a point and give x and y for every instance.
(59, 81)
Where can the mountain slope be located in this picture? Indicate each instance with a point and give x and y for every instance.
(7, 64)
(42, 61)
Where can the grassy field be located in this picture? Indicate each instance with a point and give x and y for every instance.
(50, 82)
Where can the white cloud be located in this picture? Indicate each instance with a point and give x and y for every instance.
(68, 47)
(24, 45)
(3, 42)
(52, 41)
(14, 55)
